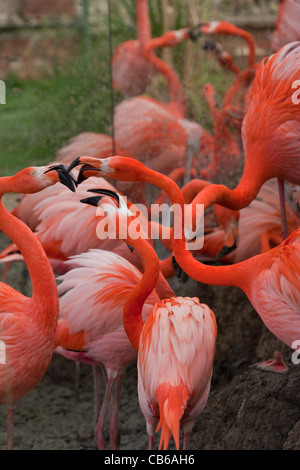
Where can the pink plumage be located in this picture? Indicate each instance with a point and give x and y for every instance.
(287, 24)
(101, 281)
(175, 363)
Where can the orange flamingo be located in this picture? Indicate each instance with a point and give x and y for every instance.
(95, 335)
(65, 228)
(287, 24)
(271, 132)
(270, 280)
(226, 28)
(241, 88)
(158, 132)
(175, 348)
(27, 324)
(131, 69)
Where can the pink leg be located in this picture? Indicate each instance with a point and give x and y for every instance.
(284, 226)
(186, 440)
(77, 383)
(10, 428)
(96, 378)
(150, 430)
(150, 442)
(113, 423)
(277, 364)
(187, 429)
(99, 435)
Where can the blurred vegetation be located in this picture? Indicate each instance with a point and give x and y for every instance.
(41, 115)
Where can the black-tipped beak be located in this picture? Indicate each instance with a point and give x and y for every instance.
(226, 250)
(66, 178)
(180, 274)
(81, 177)
(106, 192)
(130, 248)
(195, 32)
(92, 201)
(74, 163)
(210, 46)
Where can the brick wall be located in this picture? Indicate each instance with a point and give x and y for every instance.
(36, 34)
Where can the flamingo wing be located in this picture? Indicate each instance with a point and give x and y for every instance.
(101, 281)
(176, 357)
(276, 291)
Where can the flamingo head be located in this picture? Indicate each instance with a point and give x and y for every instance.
(33, 179)
(116, 167)
(114, 207)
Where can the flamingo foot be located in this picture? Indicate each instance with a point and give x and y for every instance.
(276, 364)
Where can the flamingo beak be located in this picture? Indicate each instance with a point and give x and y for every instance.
(92, 201)
(180, 274)
(66, 178)
(195, 32)
(87, 170)
(106, 192)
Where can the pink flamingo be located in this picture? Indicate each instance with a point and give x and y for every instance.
(175, 348)
(270, 280)
(59, 222)
(287, 24)
(27, 324)
(226, 28)
(241, 89)
(101, 280)
(131, 69)
(95, 335)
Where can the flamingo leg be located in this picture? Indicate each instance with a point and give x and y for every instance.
(99, 434)
(113, 423)
(277, 364)
(10, 428)
(96, 377)
(77, 382)
(150, 430)
(186, 440)
(284, 225)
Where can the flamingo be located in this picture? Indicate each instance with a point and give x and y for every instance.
(65, 228)
(226, 28)
(175, 348)
(270, 280)
(27, 324)
(287, 24)
(94, 334)
(241, 88)
(132, 71)
(271, 132)
(159, 132)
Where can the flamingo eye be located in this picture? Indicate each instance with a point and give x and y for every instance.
(32, 172)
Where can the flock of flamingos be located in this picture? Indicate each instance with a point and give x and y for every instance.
(107, 303)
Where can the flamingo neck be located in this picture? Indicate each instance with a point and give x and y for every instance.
(230, 275)
(177, 104)
(132, 311)
(142, 22)
(44, 289)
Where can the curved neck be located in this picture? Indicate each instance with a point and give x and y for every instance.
(178, 101)
(41, 274)
(231, 275)
(132, 311)
(142, 22)
(44, 287)
(235, 31)
(234, 199)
